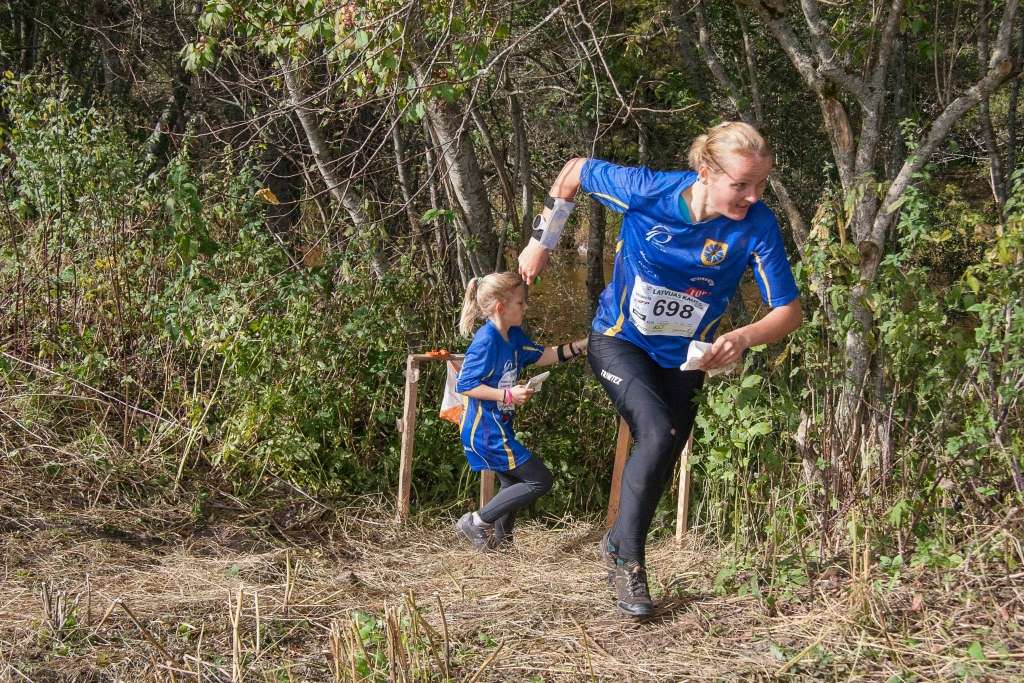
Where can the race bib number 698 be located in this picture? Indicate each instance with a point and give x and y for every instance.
(662, 311)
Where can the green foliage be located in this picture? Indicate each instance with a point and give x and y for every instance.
(367, 45)
(281, 371)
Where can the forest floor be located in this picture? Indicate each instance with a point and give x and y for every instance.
(299, 590)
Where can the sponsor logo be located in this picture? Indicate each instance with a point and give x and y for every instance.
(713, 253)
(659, 234)
(611, 378)
(696, 292)
(703, 280)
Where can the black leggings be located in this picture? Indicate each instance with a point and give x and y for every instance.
(519, 487)
(659, 406)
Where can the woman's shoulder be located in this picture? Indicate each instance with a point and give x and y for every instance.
(649, 178)
(761, 217)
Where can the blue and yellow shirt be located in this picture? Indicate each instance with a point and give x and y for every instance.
(487, 435)
(673, 279)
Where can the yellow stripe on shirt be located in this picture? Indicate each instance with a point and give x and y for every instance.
(704, 334)
(476, 423)
(617, 327)
(613, 200)
(764, 278)
(504, 443)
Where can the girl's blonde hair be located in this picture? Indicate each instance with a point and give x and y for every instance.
(482, 295)
(731, 137)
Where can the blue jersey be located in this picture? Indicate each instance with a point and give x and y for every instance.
(487, 435)
(672, 279)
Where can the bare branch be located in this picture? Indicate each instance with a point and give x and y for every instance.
(717, 70)
(790, 44)
(997, 74)
(829, 66)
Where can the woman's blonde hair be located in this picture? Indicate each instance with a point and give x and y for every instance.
(483, 294)
(731, 137)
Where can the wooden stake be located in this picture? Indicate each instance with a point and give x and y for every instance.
(486, 487)
(621, 455)
(683, 509)
(408, 429)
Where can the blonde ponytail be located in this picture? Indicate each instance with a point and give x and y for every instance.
(482, 295)
(470, 309)
(730, 137)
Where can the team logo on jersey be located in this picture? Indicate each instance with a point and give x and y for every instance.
(659, 234)
(713, 253)
(703, 280)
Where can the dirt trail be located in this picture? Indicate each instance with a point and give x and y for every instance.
(151, 596)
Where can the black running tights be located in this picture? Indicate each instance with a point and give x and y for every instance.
(659, 406)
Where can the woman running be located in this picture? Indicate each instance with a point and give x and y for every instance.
(686, 239)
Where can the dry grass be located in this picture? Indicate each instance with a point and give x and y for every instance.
(303, 591)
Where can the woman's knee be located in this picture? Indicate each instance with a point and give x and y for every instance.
(657, 440)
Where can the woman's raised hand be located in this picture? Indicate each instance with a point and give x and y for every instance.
(532, 261)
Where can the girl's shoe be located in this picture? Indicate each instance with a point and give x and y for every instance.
(478, 536)
(500, 541)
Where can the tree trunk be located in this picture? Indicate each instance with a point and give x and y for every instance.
(751, 59)
(825, 75)
(283, 177)
(464, 178)
(468, 260)
(406, 186)
(695, 75)
(171, 119)
(508, 194)
(988, 135)
(898, 148)
(522, 169)
(341, 191)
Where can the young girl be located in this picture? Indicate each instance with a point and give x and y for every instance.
(494, 359)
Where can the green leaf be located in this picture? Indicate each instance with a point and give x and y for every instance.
(976, 652)
(751, 381)
(760, 429)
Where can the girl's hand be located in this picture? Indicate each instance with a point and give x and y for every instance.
(532, 261)
(581, 344)
(727, 349)
(520, 394)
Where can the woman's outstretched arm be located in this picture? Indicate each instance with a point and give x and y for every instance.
(534, 257)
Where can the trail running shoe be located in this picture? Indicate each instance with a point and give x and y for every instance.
(478, 536)
(501, 532)
(629, 578)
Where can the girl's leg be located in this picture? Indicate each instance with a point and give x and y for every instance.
(519, 487)
(503, 525)
(657, 404)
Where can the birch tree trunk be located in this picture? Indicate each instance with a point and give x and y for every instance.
(342, 191)
(463, 176)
